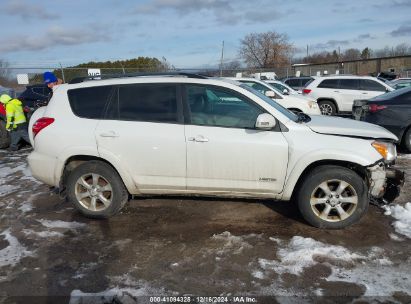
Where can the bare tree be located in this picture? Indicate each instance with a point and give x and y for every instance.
(385, 52)
(402, 49)
(352, 54)
(266, 50)
(366, 53)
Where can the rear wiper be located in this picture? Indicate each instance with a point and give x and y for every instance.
(302, 117)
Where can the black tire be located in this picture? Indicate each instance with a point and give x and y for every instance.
(118, 194)
(4, 136)
(356, 190)
(327, 107)
(407, 140)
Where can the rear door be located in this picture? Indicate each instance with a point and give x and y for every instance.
(143, 133)
(349, 90)
(370, 88)
(225, 153)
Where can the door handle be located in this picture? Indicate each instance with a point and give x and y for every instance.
(365, 93)
(337, 91)
(109, 134)
(198, 138)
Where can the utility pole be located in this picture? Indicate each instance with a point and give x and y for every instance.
(62, 72)
(222, 59)
(307, 50)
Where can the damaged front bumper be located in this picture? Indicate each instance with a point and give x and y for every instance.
(384, 183)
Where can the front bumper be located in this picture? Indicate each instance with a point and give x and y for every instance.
(384, 182)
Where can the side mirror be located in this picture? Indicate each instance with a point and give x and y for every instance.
(285, 92)
(270, 94)
(265, 122)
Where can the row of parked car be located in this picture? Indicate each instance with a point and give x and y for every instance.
(370, 99)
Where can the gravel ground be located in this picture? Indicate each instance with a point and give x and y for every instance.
(194, 247)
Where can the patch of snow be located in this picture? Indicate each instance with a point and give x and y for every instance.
(276, 240)
(7, 189)
(258, 274)
(408, 156)
(62, 224)
(125, 290)
(379, 280)
(26, 207)
(174, 265)
(395, 237)
(6, 170)
(402, 225)
(12, 254)
(232, 243)
(43, 234)
(84, 269)
(304, 252)
(378, 274)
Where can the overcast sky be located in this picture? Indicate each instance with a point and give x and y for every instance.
(189, 33)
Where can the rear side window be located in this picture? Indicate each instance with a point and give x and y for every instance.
(293, 82)
(145, 102)
(306, 81)
(371, 85)
(89, 102)
(349, 84)
(329, 84)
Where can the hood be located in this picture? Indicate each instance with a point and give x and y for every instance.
(348, 127)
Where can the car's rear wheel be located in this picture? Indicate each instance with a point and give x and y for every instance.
(407, 140)
(327, 107)
(96, 190)
(333, 197)
(4, 136)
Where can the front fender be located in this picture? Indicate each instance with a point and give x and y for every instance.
(323, 156)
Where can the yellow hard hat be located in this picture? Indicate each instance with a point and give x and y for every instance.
(5, 98)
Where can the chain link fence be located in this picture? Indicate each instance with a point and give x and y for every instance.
(8, 75)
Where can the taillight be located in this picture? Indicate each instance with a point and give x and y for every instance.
(375, 108)
(40, 124)
(306, 91)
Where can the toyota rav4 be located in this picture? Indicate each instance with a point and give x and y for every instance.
(103, 141)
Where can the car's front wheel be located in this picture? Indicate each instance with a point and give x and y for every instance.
(332, 197)
(96, 189)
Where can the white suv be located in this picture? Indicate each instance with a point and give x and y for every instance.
(103, 141)
(336, 94)
(295, 103)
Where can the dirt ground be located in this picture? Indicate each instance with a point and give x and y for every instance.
(192, 247)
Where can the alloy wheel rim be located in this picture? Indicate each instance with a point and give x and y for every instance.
(326, 109)
(93, 192)
(334, 200)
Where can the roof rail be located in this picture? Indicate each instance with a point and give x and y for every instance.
(111, 76)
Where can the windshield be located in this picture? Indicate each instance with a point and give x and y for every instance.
(391, 95)
(271, 102)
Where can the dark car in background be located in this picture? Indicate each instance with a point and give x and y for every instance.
(35, 95)
(297, 83)
(391, 111)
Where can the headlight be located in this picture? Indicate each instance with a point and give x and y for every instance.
(387, 150)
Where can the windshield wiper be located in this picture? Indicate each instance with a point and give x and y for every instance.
(302, 117)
